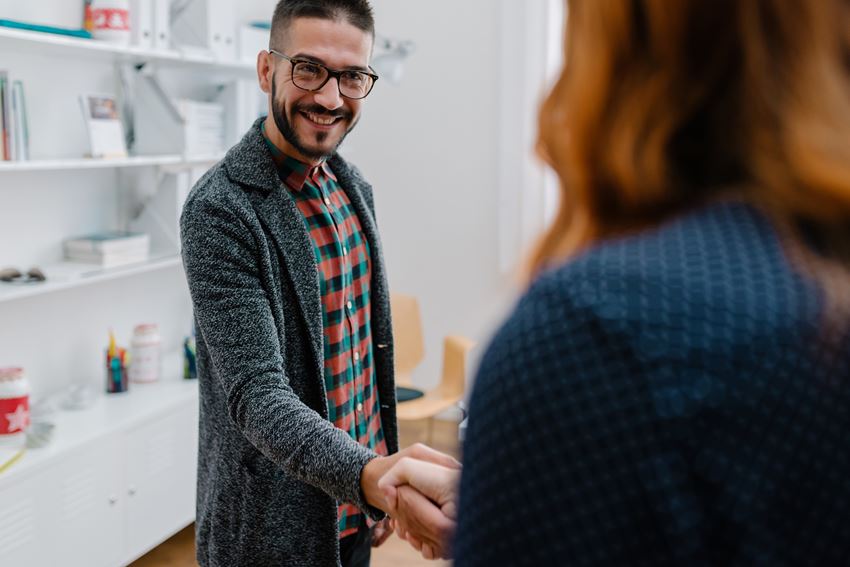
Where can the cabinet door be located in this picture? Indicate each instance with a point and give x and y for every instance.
(88, 506)
(24, 519)
(161, 462)
(70, 514)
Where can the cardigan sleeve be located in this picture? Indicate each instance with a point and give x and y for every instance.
(564, 462)
(221, 258)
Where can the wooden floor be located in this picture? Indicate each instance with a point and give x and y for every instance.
(179, 551)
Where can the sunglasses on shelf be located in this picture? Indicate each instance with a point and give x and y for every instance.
(13, 275)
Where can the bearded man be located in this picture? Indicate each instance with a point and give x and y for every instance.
(295, 349)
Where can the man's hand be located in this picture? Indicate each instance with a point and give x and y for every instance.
(438, 483)
(381, 532)
(423, 502)
(378, 467)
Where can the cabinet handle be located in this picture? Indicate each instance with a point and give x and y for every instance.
(132, 490)
(113, 500)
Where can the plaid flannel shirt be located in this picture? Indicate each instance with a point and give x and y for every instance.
(343, 257)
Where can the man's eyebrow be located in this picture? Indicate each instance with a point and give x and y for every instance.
(314, 59)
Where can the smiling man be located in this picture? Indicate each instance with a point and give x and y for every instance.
(295, 351)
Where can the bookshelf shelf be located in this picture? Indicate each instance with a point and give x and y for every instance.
(13, 292)
(51, 44)
(175, 161)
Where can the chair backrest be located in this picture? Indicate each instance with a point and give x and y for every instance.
(407, 336)
(456, 351)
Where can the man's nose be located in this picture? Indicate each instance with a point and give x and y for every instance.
(328, 96)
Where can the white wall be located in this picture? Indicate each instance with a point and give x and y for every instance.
(430, 147)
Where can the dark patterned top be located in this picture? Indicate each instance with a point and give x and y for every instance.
(343, 257)
(664, 399)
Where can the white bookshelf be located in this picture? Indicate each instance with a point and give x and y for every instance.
(86, 277)
(53, 44)
(129, 462)
(174, 161)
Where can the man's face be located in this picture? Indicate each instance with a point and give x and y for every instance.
(314, 124)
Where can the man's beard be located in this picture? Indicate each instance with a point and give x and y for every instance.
(284, 125)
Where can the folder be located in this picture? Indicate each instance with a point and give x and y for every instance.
(142, 23)
(161, 24)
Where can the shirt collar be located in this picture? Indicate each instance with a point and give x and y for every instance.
(293, 172)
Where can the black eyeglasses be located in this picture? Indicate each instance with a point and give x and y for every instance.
(312, 76)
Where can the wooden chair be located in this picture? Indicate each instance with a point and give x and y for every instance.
(410, 352)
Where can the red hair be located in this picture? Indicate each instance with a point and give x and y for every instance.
(664, 105)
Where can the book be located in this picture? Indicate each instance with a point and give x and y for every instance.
(6, 109)
(21, 133)
(108, 249)
(82, 34)
(2, 126)
(103, 125)
(108, 260)
(110, 242)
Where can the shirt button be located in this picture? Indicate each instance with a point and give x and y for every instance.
(350, 305)
(356, 356)
(344, 251)
(359, 406)
(327, 201)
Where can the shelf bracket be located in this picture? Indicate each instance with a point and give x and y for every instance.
(149, 75)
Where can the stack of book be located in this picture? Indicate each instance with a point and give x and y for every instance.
(108, 249)
(14, 130)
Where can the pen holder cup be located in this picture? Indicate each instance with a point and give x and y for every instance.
(116, 376)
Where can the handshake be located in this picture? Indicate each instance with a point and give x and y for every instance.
(417, 488)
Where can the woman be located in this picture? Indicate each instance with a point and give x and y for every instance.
(673, 388)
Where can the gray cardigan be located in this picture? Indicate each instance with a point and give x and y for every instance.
(270, 465)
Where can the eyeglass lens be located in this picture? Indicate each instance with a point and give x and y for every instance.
(310, 76)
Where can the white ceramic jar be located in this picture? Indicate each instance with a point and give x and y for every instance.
(110, 20)
(14, 407)
(145, 357)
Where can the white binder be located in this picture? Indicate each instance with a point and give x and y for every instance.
(162, 23)
(142, 23)
(208, 25)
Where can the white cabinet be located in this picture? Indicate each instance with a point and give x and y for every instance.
(24, 516)
(76, 503)
(160, 462)
(118, 480)
(87, 508)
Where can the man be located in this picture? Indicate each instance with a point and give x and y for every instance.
(295, 356)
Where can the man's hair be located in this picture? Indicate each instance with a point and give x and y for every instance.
(358, 13)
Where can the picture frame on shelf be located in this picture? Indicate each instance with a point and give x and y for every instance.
(103, 126)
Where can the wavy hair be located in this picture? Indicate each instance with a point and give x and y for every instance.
(664, 105)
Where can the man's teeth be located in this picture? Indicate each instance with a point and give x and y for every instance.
(319, 120)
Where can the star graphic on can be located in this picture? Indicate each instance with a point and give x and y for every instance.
(18, 419)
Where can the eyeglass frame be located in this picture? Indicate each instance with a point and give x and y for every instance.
(332, 74)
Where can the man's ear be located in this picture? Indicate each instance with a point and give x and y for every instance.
(264, 71)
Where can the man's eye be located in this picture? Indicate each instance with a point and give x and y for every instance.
(353, 77)
(308, 69)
